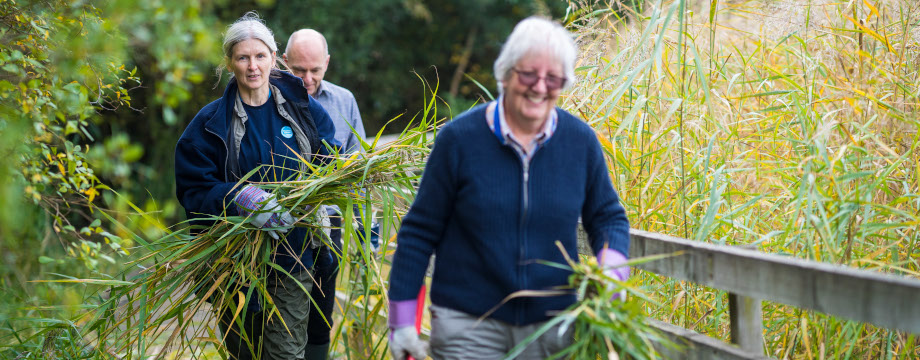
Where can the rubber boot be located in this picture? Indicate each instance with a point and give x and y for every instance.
(316, 352)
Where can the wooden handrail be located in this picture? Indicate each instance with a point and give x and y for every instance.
(868, 296)
(748, 276)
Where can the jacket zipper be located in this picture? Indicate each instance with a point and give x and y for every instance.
(522, 236)
(226, 151)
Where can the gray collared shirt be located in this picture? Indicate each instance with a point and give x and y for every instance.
(343, 109)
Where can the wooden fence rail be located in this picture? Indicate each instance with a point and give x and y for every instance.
(750, 276)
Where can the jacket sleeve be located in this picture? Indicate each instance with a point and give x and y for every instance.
(603, 217)
(199, 185)
(324, 127)
(423, 226)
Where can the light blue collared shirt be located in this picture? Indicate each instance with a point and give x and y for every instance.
(343, 109)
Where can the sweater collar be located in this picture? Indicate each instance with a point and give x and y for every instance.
(502, 131)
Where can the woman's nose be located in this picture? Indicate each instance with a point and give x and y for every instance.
(540, 85)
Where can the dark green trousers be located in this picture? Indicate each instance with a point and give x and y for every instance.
(266, 337)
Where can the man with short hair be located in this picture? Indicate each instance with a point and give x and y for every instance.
(307, 55)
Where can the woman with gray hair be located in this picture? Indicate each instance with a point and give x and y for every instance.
(504, 182)
(264, 120)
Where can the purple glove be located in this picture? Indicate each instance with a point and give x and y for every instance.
(612, 262)
(262, 210)
(403, 337)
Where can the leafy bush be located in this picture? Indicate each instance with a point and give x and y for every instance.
(62, 64)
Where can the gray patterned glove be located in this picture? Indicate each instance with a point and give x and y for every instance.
(263, 211)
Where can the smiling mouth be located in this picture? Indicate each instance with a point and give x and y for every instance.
(536, 99)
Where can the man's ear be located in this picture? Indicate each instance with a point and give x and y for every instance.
(284, 57)
(327, 62)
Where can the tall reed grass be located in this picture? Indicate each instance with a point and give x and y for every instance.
(787, 126)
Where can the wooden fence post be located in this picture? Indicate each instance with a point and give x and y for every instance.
(746, 323)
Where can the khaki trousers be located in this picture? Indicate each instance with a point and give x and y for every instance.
(458, 335)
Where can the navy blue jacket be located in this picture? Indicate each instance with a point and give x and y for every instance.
(490, 218)
(207, 167)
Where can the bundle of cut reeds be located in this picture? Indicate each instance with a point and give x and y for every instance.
(603, 327)
(224, 266)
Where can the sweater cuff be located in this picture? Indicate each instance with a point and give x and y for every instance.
(612, 262)
(402, 313)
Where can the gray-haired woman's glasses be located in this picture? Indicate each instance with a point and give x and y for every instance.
(530, 78)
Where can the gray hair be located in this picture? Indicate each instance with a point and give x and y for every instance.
(250, 26)
(534, 34)
(306, 34)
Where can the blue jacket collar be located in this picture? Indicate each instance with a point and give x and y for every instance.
(219, 120)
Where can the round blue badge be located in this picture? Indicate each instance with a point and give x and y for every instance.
(287, 132)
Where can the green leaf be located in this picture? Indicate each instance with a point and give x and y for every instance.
(169, 116)
(6, 86)
(88, 281)
(110, 236)
(768, 93)
(133, 153)
(11, 68)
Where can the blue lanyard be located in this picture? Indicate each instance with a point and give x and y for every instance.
(497, 124)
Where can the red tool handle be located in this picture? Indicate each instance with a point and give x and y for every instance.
(419, 310)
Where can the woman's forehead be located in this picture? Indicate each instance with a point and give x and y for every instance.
(250, 45)
(540, 58)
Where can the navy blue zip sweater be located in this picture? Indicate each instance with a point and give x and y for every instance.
(491, 219)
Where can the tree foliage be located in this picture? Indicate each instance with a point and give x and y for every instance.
(62, 65)
(376, 45)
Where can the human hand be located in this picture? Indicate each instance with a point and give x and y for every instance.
(614, 264)
(263, 211)
(404, 341)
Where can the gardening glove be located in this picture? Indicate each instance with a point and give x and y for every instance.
(613, 262)
(322, 214)
(263, 211)
(404, 341)
(402, 321)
